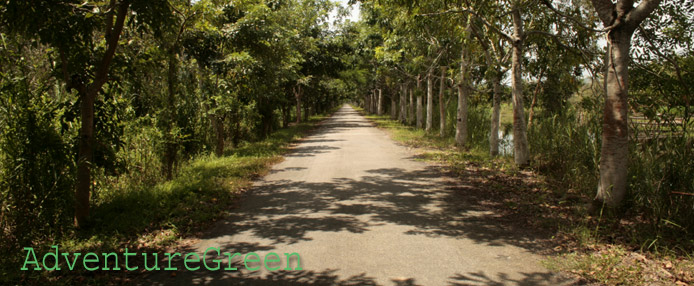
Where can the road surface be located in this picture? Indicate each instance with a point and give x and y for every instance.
(358, 209)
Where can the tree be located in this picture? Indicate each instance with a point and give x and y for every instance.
(442, 106)
(69, 27)
(620, 20)
(463, 89)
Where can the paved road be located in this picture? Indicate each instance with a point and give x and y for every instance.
(359, 210)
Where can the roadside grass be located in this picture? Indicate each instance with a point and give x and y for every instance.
(153, 218)
(596, 249)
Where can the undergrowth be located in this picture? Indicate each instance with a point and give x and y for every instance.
(648, 242)
(129, 212)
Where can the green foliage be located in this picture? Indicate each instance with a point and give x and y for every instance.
(35, 167)
(566, 148)
(479, 121)
(661, 189)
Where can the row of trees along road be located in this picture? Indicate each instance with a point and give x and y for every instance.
(569, 61)
(94, 92)
(97, 92)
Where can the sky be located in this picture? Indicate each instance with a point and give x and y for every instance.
(354, 10)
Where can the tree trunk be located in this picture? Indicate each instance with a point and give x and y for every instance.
(380, 102)
(520, 139)
(403, 103)
(393, 107)
(297, 95)
(496, 110)
(285, 116)
(88, 95)
(84, 159)
(420, 111)
(614, 154)
(463, 94)
(219, 130)
(442, 106)
(374, 103)
(171, 146)
(615, 140)
(410, 111)
(430, 101)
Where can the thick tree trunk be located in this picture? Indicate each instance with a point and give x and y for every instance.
(520, 139)
(463, 93)
(614, 154)
(430, 101)
(623, 19)
(420, 112)
(496, 111)
(442, 106)
(403, 103)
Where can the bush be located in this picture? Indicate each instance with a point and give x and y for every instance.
(661, 174)
(567, 150)
(35, 167)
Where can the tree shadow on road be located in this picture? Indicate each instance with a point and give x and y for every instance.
(286, 211)
(501, 279)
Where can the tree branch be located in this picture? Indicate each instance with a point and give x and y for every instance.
(606, 11)
(578, 22)
(638, 14)
(468, 11)
(101, 75)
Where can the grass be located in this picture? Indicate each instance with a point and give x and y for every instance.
(607, 251)
(151, 219)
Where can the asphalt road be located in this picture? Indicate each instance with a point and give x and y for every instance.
(358, 209)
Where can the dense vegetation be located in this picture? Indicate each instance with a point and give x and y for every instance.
(581, 97)
(105, 103)
(110, 107)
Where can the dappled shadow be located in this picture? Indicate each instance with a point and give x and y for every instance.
(289, 169)
(286, 278)
(342, 121)
(319, 140)
(285, 211)
(417, 202)
(310, 150)
(502, 279)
